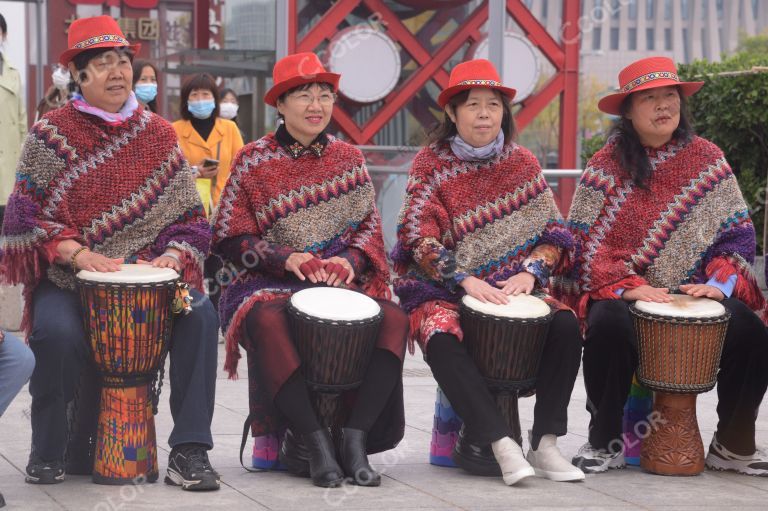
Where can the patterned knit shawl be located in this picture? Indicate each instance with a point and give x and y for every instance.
(321, 205)
(123, 191)
(690, 225)
(490, 215)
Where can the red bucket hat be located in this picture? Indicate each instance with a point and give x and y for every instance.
(471, 74)
(96, 32)
(645, 74)
(295, 70)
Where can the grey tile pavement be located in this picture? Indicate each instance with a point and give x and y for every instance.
(410, 483)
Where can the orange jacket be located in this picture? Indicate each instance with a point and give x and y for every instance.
(223, 144)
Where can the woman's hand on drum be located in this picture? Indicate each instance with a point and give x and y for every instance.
(523, 282)
(306, 266)
(339, 271)
(702, 291)
(165, 261)
(483, 291)
(91, 261)
(648, 294)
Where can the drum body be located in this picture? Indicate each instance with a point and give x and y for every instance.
(679, 348)
(334, 331)
(506, 344)
(128, 322)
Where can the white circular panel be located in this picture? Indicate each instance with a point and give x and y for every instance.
(368, 62)
(521, 64)
(334, 304)
(520, 307)
(683, 306)
(131, 274)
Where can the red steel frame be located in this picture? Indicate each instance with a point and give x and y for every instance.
(564, 57)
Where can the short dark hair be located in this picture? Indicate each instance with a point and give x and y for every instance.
(82, 59)
(138, 67)
(3, 25)
(226, 90)
(629, 151)
(198, 81)
(446, 128)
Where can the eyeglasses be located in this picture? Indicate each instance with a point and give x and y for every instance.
(111, 60)
(306, 99)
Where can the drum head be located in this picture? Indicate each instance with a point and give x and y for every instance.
(519, 307)
(334, 304)
(683, 306)
(130, 274)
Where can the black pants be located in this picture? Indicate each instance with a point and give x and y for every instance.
(2, 215)
(610, 360)
(459, 378)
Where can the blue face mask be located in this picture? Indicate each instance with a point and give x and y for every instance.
(145, 92)
(201, 109)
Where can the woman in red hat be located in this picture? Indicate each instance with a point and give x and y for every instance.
(479, 219)
(101, 180)
(659, 209)
(302, 202)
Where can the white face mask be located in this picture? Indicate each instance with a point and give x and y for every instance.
(228, 110)
(60, 78)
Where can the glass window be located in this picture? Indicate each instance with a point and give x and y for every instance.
(544, 9)
(686, 52)
(704, 9)
(632, 39)
(719, 6)
(704, 43)
(650, 9)
(667, 9)
(598, 11)
(668, 39)
(615, 38)
(615, 9)
(684, 6)
(650, 39)
(597, 34)
(632, 9)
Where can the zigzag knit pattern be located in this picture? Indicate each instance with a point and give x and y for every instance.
(124, 191)
(690, 224)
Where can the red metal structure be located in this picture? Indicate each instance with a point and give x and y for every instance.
(564, 56)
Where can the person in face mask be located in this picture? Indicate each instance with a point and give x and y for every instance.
(209, 143)
(58, 93)
(229, 107)
(145, 84)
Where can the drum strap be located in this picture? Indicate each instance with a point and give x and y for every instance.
(246, 431)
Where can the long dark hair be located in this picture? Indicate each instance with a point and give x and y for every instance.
(630, 151)
(446, 128)
(138, 67)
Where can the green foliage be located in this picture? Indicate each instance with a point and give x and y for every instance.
(731, 110)
(591, 145)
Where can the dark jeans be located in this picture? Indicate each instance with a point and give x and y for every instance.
(59, 343)
(459, 378)
(610, 360)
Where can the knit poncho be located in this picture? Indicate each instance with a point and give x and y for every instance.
(278, 201)
(123, 191)
(689, 226)
(489, 219)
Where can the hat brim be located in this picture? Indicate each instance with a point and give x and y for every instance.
(448, 93)
(611, 104)
(68, 55)
(278, 89)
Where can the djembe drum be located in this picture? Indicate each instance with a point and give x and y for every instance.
(679, 347)
(335, 332)
(506, 343)
(128, 322)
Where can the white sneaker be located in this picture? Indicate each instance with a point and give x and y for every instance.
(548, 462)
(593, 461)
(720, 458)
(513, 465)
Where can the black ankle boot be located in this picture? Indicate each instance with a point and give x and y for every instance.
(293, 454)
(354, 458)
(323, 468)
(473, 456)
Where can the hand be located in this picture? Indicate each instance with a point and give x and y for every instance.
(306, 266)
(648, 294)
(523, 282)
(207, 171)
(91, 261)
(702, 291)
(339, 271)
(162, 262)
(483, 291)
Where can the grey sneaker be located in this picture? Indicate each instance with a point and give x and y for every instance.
(594, 461)
(720, 458)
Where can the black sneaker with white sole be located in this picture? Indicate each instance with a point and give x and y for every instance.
(188, 467)
(44, 472)
(720, 458)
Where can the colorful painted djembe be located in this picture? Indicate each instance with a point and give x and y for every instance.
(679, 347)
(128, 323)
(335, 332)
(506, 343)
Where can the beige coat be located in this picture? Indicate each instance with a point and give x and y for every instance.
(13, 127)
